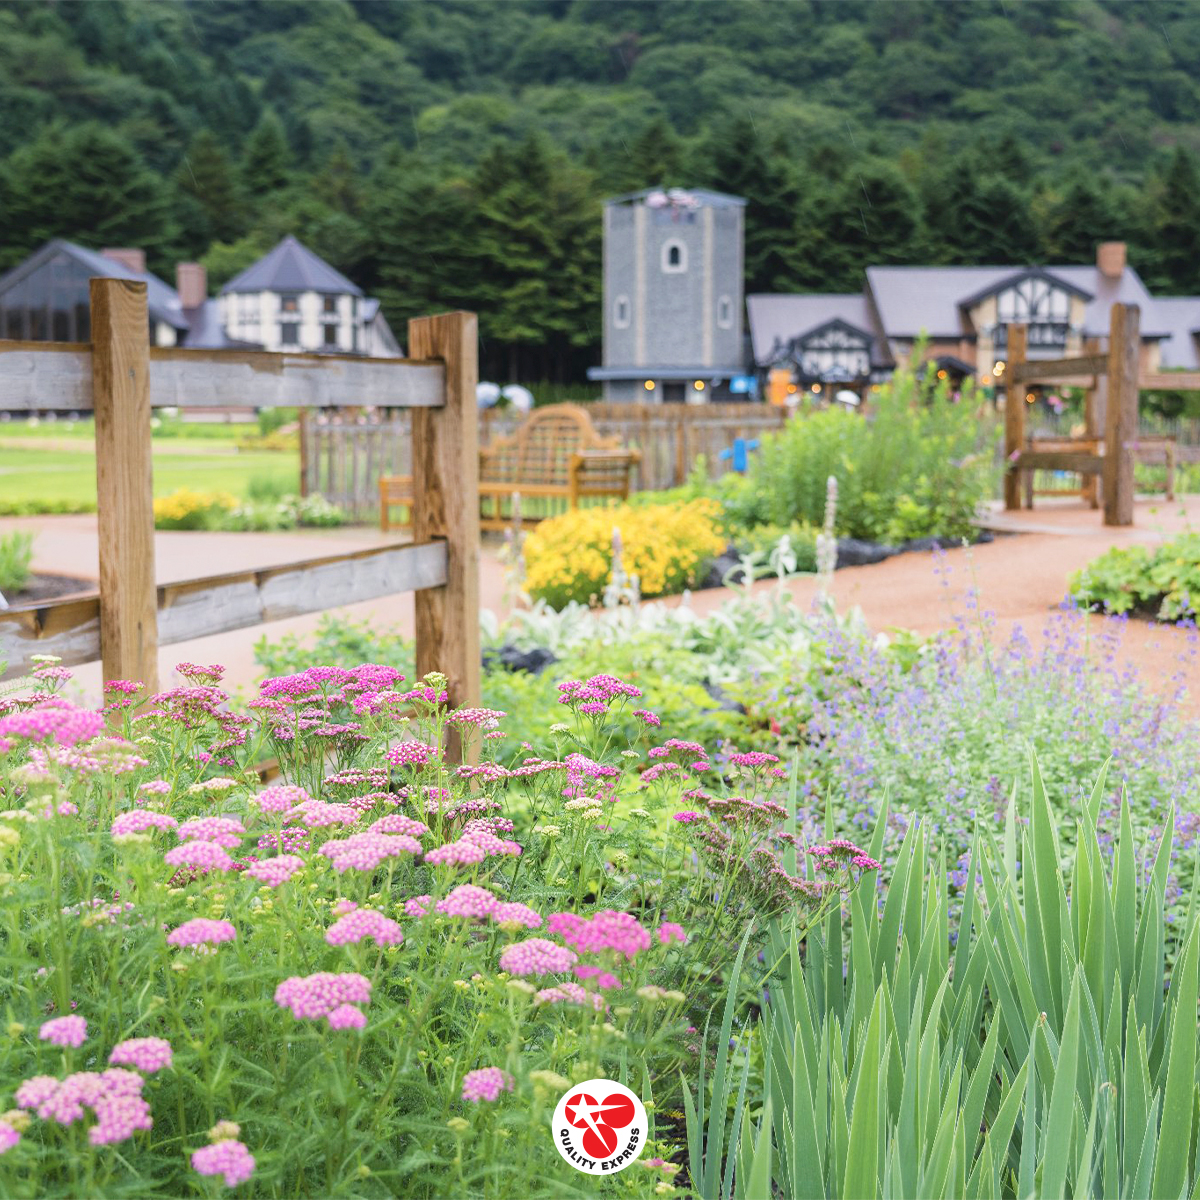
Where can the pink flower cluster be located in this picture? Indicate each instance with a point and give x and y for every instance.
(9, 1137)
(752, 759)
(64, 1031)
(275, 871)
(55, 721)
(606, 930)
(228, 1158)
(201, 931)
(647, 717)
(200, 855)
(484, 718)
(114, 1096)
(569, 993)
(486, 1083)
(225, 831)
(280, 797)
(365, 851)
(398, 823)
(318, 814)
(361, 924)
(605, 980)
(194, 673)
(841, 853)
(141, 819)
(311, 997)
(148, 1054)
(414, 755)
(536, 956)
(468, 900)
(668, 932)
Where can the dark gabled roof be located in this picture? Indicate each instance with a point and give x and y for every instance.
(1180, 316)
(161, 299)
(1015, 277)
(291, 267)
(776, 321)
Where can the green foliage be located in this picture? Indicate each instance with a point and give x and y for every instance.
(472, 178)
(1038, 1055)
(920, 464)
(1163, 580)
(16, 558)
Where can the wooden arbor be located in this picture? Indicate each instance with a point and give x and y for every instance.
(124, 378)
(1113, 463)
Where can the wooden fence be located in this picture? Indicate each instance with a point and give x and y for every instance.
(123, 379)
(344, 454)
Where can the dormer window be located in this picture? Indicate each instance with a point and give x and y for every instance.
(674, 257)
(289, 304)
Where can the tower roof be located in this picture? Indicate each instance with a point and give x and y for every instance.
(680, 197)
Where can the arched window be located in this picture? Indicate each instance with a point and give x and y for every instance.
(621, 312)
(674, 257)
(725, 312)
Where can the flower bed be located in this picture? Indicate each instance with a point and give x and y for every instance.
(376, 975)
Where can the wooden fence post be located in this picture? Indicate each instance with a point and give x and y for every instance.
(1014, 415)
(1090, 484)
(445, 450)
(124, 481)
(1121, 420)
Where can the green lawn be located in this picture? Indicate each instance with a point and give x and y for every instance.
(60, 472)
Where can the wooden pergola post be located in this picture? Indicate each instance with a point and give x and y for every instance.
(1014, 414)
(1121, 420)
(446, 505)
(1090, 484)
(124, 481)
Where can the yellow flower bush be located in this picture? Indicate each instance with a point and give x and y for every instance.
(186, 509)
(666, 545)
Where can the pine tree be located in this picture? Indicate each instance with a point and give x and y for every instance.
(1173, 226)
(1075, 219)
(266, 157)
(208, 176)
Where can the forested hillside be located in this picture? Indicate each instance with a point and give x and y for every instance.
(453, 153)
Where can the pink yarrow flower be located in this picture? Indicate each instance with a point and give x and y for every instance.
(225, 831)
(361, 924)
(310, 997)
(536, 956)
(668, 932)
(228, 1158)
(279, 798)
(486, 1083)
(201, 931)
(149, 1054)
(141, 819)
(202, 855)
(9, 1137)
(64, 1031)
(275, 872)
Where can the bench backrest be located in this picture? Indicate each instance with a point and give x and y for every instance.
(539, 450)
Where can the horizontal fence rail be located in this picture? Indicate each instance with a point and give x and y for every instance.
(50, 376)
(194, 608)
(343, 455)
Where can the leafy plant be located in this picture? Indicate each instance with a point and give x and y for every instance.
(16, 559)
(1164, 580)
(1038, 1055)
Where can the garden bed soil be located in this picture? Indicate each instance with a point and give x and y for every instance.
(42, 588)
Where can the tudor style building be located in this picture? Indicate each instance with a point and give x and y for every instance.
(961, 315)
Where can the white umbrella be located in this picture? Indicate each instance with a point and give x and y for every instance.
(521, 398)
(487, 395)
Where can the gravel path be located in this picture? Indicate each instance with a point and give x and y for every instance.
(1021, 579)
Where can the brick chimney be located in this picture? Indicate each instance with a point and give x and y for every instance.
(135, 260)
(191, 282)
(1110, 259)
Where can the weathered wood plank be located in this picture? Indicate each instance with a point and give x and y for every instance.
(1014, 414)
(194, 608)
(124, 484)
(1031, 370)
(1121, 419)
(1170, 381)
(49, 376)
(1060, 460)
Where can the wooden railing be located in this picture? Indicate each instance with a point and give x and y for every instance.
(122, 378)
(343, 455)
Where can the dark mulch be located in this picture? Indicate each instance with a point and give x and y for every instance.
(41, 588)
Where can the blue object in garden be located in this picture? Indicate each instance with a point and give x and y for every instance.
(744, 385)
(740, 453)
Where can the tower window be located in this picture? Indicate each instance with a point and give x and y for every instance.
(725, 312)
(674, 257)
(621, 312)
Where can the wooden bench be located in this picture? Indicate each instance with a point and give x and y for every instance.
(1085, 457)
(554, 455)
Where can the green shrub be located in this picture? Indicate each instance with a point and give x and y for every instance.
(920, 464)
(16, 558)
(1164, 581)
(1038, 1055)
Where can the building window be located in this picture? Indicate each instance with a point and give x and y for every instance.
(674, 257)
(331, 332)
(289, 333)
(674, 392)
(289, 304)
(621, 312)
(330, 306)
(725, 312)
